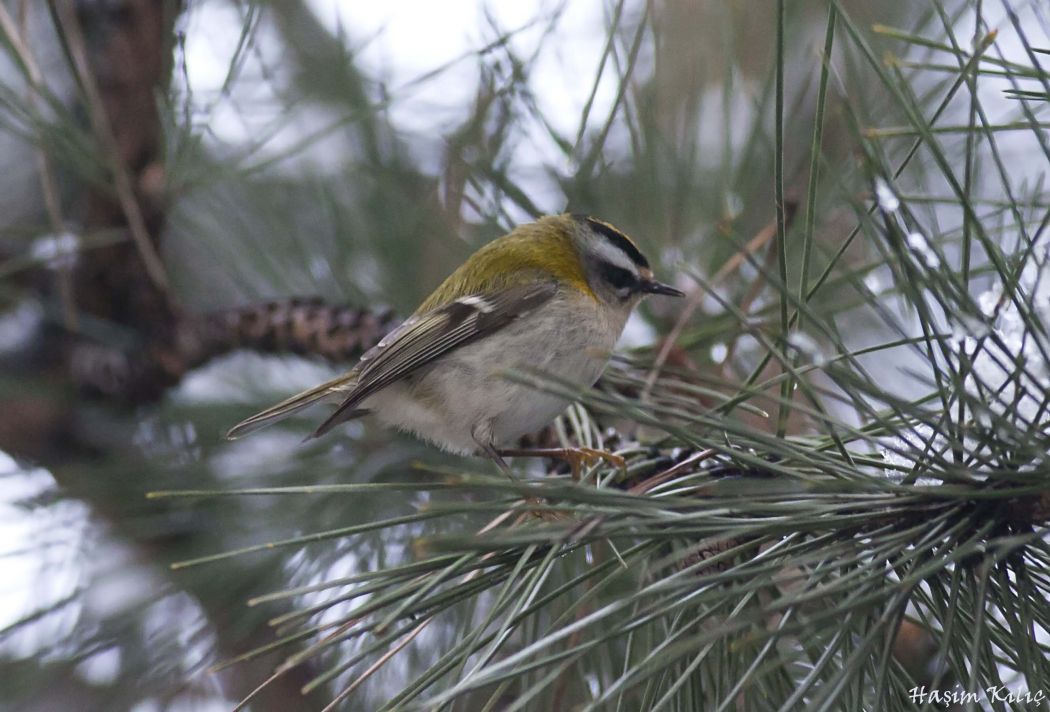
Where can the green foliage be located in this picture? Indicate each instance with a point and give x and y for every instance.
(846, 439)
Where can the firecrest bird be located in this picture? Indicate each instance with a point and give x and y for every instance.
(552, 295)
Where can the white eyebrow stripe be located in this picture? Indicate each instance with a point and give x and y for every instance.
(605, 250)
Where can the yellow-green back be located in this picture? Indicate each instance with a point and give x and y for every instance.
(540, 250)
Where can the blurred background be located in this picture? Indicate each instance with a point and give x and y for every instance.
(206, 205)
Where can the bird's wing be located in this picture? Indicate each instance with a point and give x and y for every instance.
(291, 405)
(426, 337)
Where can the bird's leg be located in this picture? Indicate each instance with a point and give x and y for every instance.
(482, 436)
(493, 454)
(497, 457)
(575, 456)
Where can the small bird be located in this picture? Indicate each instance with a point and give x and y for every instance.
(552, 295)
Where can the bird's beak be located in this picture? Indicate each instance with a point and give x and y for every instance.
(651, 286)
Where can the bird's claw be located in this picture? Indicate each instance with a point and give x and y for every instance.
(579, 456)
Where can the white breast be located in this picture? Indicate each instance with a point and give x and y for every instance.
(463, 398)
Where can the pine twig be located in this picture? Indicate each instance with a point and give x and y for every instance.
(306, 327)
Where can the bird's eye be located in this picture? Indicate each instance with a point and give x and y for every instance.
(618, 277)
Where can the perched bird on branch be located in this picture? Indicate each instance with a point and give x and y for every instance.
(551, 296)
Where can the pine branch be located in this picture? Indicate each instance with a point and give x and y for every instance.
(297, 326)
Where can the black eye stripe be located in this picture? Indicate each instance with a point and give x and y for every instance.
(618, 277)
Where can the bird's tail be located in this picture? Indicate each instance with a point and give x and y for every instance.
(328, 389)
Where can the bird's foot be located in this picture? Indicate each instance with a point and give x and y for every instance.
(577, 457)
